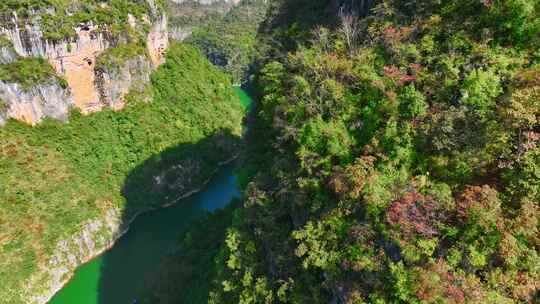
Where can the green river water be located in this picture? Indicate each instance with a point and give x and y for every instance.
(115, 276)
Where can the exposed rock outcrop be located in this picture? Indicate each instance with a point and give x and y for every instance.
(113, 85)
(158, 41)
(74, 60)
(30, 106)
(94, 237)
(7, 52)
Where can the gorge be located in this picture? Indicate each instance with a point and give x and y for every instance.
(102, 100)
(116, 276)
(391, 153)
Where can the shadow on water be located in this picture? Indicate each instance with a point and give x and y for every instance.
(115, 276)
(167, 177)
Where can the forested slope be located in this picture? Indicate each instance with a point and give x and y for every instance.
(395, 157)
(67, 190)
(231, 42)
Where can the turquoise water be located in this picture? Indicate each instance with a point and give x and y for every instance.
(113, 277)
(245, 99)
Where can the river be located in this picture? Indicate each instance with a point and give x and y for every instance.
(114, 276)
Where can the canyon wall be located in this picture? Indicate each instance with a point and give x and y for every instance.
(94, 237)
(113, 85)
(31, 105)
(97, 235)
(158, 40)
(75, 61)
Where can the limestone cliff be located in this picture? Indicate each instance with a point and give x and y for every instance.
(74, 59)
(113, 84)
(94, 237)
(31, 105)
(7, 52)
(158, 40)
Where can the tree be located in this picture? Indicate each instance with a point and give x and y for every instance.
(480, 89)
(350, 30)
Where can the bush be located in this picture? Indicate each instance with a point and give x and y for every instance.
(28, 72)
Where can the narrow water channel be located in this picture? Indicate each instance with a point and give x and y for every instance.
(115, 276)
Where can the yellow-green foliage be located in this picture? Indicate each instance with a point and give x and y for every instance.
(115, 57)
(60, 17)
(29, 72)
(400, 157)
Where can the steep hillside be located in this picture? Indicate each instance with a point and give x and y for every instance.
(69, 190)
(405, 157)
(224, 30)
(231, 42)
(99, 51)
(395, 158)
(186, 15)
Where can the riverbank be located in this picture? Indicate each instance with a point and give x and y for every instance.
(117, 236)
(73, 187)
(245, 101)
(112, 276)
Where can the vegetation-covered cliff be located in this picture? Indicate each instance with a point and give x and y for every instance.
(395, 158)
(68, 190)
(224, 30)
(62, 54)
(186, 15)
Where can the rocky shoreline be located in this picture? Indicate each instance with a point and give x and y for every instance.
(58, 272)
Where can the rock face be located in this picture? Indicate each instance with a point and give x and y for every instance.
(158, 41)
(113, 85)
(74, 60)
(30, 106)
(93, 238)
(7, 54)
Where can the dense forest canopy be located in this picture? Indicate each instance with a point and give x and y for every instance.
(395, 157)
